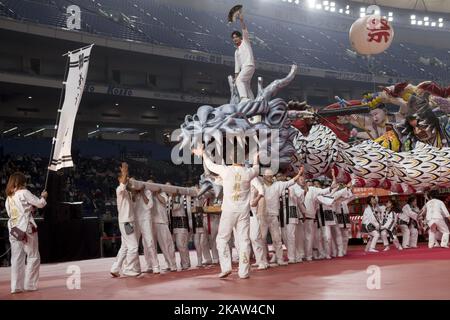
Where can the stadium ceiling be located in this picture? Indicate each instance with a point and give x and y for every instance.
(419, 5)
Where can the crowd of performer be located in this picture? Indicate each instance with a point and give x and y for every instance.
(310, 218)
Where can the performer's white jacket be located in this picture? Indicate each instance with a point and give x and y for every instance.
(236, 185)
(436, 210)
(296, 196)
(179, 210)
(124, 207)
(311, 202)
(143, 210)
(244, 54)
(389, 220)
(272, 195)
(408, 213)
(159, 211)
(369, 217)
(24, 201)
(342, 198)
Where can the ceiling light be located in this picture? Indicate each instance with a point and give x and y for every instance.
(9, 130)
(34, 132)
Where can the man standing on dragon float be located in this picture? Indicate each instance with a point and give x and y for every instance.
(244, 62)
(235, 211)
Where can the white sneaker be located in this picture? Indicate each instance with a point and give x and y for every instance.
(131, 273)
(156, 271)
(292, 261)
(244, 277)
(225, 274)
(255, 265)
(262, 267)
(308, 259)
(199, 265)
(282, 263)
(447, 247)
(400, 248)
(16, 291)
(387, 248)
(373, 250)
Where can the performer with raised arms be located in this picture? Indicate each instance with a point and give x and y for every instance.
(235, 211)
(244, 61)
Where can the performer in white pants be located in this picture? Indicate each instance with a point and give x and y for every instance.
(235, 211)
(200, 241)
(310, 225)
(371, 224)
(293, 210)
(272, 192)
(244, 62)
(389, 225)
(436, 213)
(142, 206)
(19, 206)
(211, 225)
(408, 223)
(340, 232)
(181, 227)
(128, 255)
(161, 230)
(257, 216)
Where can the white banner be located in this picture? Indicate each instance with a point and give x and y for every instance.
(74, 86)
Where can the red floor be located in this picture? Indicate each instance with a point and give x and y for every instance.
(409, 274)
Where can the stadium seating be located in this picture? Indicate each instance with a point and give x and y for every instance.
(273, 40)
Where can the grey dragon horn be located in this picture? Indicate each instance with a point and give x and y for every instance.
(276, 85)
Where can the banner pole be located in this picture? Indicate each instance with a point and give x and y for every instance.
(58, 115)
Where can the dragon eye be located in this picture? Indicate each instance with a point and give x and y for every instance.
(196, 118)
(211, 116)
